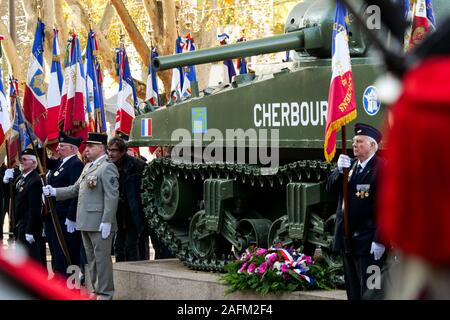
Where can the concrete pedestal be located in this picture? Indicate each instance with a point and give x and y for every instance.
(170, 280)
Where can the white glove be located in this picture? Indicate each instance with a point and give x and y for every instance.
(29, 238)
(70, 225)
(377, 249)
(343, 162)
(49, 191)
(105, 229)
(9, 175)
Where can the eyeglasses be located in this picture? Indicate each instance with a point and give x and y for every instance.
(24, 159)
(113, 150)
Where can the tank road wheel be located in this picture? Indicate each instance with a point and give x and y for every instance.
(174, 198)
(278, 233)
(202, 242)
(252, 232)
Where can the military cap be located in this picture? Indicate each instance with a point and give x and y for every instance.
(362, 129)
(97, 138)
(68, 139)
(29, 152)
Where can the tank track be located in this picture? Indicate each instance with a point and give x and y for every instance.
(176, 238)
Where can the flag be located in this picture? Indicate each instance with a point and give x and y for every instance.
(241, 62)
(126, 99)
(231, 72)
(189, 72)
(34, 100)
(20, 138)
(341, 96)
(54, 92)
(151, 94)
(94, 102)
(72, 119)
(421, 15)
(5, 120)
(177, 75)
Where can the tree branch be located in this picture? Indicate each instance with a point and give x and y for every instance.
(14, 60)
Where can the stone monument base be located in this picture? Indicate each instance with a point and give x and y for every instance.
(169, 279)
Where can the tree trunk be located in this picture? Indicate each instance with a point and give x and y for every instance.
(14, 60)
(133, 32)
(105, 50)
(61, 24)
(30, 9)
(162, 17)
(105, 21)
(48, 17)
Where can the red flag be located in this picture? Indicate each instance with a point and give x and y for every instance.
(341, 97)
(72, 119)
(422, 23)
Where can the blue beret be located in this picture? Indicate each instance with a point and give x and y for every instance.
(366, 130)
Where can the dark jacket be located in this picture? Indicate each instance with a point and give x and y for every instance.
(130, 191)
(28, 203)
(362, 210)
(64, 176)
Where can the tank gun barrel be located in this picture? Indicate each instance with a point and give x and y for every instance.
(289, 41)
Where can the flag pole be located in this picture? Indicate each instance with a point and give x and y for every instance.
(345, 194)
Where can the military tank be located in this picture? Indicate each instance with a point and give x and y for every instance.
(246, 164)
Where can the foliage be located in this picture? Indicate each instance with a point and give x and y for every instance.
(277, 270)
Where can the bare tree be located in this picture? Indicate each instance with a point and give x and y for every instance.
(105, 21)
(105, 50)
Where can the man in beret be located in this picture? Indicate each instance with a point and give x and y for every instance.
(98, 194)
(28, 204)
(363, 248)
(63, 173)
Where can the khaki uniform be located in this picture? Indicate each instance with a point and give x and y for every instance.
(98, 195)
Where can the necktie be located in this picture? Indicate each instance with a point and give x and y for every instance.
(358, 170)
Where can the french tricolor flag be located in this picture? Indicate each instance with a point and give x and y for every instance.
(35, 100)
(341, 96)
(146, 127)
(54, 91)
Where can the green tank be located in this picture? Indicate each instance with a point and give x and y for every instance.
(246, 163)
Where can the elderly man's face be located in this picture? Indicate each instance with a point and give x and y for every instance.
(363, 148)
(65, 149)
(94, 151)
(27, 164)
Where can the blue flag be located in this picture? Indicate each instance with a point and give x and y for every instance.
(151, 94)
(94, 99)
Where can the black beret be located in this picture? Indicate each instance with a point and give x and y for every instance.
(68, 139)
(97, 138)
(29, 152)
(367, 130)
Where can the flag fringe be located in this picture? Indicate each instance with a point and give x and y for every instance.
(336, 126)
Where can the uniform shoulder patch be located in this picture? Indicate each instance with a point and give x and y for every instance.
(114, 181)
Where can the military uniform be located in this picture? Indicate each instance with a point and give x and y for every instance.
(98, 195)
(27, 212)
(62, 175)
(362, 191)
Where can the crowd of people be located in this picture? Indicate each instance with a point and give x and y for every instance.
(87, 211)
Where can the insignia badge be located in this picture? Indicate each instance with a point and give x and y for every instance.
(362, 190)
(56, 173)
(91, 182)
(113, 180)
(20, 189)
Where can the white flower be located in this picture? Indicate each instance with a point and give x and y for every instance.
(277, 265)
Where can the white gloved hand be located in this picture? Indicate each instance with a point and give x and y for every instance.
(105, 229)
(29, 238)
(49, 191)
(70, 225)
(9, 175)
(343, 162)
(377, 250)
